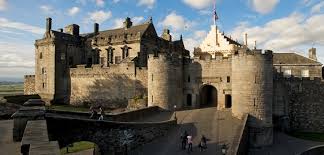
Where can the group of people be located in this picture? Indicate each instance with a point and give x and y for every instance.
(97, 111)
(186, 142)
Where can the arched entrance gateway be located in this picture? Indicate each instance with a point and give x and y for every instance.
(208, 96)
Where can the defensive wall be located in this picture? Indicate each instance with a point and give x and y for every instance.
(29, 85)
(252, 92)
(110, 86)
(200, 72)
(302, 101)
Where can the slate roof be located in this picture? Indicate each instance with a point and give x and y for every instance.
(231, 41)
(121, 31)
(292, 58)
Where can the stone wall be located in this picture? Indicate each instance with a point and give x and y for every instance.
(200, 73)
(304, 103)
(110, 86)
(29, 85)
(252, 91)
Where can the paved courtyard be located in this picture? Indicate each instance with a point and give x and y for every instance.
(218, 126)
(7, 146)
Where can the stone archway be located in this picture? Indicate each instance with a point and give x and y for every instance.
(208, 96)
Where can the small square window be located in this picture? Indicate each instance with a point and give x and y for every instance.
(228, 79)
(305, 73)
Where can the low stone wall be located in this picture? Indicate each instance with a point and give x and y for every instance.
(127, 116)
(29, 85)
(109, 136)
(240, 144)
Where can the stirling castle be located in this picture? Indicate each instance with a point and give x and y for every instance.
(135, 67)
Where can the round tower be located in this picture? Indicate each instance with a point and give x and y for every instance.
(252, 92)
(164, 81)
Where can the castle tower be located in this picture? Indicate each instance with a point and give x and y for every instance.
(164, 81)
(252, 92)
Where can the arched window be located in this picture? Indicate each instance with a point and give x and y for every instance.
(125, 51)
(110, 55)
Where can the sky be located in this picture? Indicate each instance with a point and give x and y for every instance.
(278, 25)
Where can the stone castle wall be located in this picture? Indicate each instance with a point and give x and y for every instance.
(164, 81)
(212, 72)
(303, 103)
(29, 85)
(252, 91)
(111, 86)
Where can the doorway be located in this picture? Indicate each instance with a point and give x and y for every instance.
(208, 96)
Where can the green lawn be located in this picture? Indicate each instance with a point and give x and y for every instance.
(19, 87)
(78, 146)
(309, 136)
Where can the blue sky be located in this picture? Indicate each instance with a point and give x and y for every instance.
(280, 25)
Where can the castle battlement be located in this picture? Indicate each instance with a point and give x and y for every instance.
(29, 76)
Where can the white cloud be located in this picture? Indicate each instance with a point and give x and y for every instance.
(98, 16)
(73, 11)
(263, 6)
(118, 23)
(147, 3)
(3, 5)
(137, 20)
(194, 41)
(199, 4)
(294, 31)
(176, 22)
(100, 3)
(47, 9)
(317, 8)
(5, 23)
(11, 55)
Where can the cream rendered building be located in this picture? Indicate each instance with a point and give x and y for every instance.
(217, 42)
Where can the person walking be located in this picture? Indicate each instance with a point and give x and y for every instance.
(102, 113)
(189, 141)
(184, 140)
(203, 143)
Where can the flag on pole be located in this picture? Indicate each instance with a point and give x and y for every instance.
(215, 13)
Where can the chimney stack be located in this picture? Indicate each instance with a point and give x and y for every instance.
(128, 23)
(246, 41)
(312, 54)
(96, 28)
(48, 24)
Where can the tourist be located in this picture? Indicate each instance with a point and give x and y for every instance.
(203, 143)
(102, 113)
(93, 113)
(184, 140)
(189, 140)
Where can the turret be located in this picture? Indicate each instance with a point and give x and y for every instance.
(164, 81)
(252, 92)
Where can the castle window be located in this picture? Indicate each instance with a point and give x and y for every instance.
(62, 56)
(40, 55)
(228, 101)
(110, 55)
(152, 98)
(43, 70)
(228, 79)
(125, 50)
(188, 79)
(287, 73)
(70, 61)
(254, 102)
(305, 73)
(89, 62)
(43, 85)
(152, 77)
